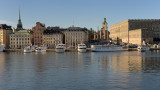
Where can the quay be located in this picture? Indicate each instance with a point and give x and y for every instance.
(48, 50)
(70, 50)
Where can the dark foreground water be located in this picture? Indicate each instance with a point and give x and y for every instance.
(80, 71)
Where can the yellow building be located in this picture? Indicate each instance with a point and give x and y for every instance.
(137, 36)
(51, 38)
(5, 30)
(136, 31)
(20, 39)
(75, 36)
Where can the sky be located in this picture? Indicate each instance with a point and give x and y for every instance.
(80, 13)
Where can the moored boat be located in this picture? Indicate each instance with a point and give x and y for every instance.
(44, 48)
(143, 48)
(38, 50)
(107, 48)
(82, 48)
(60, 48)
(27, 49)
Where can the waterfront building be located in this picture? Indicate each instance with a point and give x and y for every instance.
(75, 36)
(52, 37)
(103, 34)
(5, 30)
(38, 33)
(135, 31)
(31, 36)
(20, 39)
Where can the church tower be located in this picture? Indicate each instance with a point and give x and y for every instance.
(105, 30)
(104, 24)
(19, 24)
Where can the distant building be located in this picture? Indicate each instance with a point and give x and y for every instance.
(75, 36)
(103, 34)
(52, 37)
(5, 30)
(38, 33)
(20, 39)
(136, 31)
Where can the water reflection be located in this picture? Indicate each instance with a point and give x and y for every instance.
(73, 70)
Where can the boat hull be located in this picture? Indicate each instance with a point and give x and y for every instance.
(27, 51)
(38, 51)
(101, 48)
(82, 50)
(143, 49)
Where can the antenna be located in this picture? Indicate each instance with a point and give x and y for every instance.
(73, 21)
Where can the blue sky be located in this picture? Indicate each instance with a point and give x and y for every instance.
(84, 13)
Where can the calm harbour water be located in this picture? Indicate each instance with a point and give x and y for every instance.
(80, 71)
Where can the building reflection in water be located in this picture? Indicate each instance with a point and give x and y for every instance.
(110, 69)
(135, 63)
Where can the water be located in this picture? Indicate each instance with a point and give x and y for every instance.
(80, 71)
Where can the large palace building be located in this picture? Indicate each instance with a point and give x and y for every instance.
(135, 31)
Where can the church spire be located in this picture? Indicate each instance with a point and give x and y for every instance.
(19, 24)
(19, 15)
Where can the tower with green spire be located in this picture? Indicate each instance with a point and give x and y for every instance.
(19, 24)
(104, 24)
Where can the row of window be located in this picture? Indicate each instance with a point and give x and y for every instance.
(19, 42)
(21, 36)
(52, 38)
(52, 42)
(18, 46)
(20, 39)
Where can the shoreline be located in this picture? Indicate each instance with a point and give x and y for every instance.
(70, 50)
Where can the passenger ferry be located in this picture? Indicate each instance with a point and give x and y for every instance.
(60, 48)
(107, 48)
(2, 47)
(143, 48)
(27, 49)
(82, 48)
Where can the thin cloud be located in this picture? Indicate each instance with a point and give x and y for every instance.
(8, 23)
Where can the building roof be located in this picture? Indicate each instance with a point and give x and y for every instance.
(144, 19)
(77, 29)
(6, 27)
(47, 32)
(21, 32)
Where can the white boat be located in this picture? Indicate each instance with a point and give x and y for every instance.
(106, 48)
(60, 48)
(2, 47)
(33, 48)
(44, 48)
(27, 49)
(82, 48)
(143, 48)
(38, 50)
